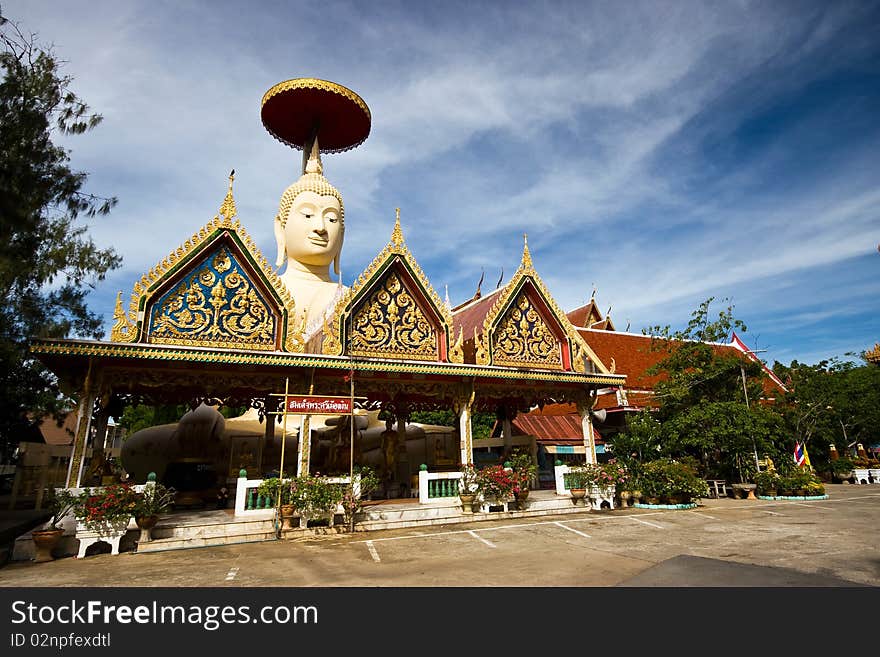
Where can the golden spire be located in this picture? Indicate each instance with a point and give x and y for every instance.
(526, 257)
(228, 208)
(397, 233)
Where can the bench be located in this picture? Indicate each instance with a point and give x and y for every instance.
(717, 487)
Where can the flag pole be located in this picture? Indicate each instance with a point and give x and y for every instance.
(351, 443)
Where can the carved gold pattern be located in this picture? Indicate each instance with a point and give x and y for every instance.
(391, 324)
(396, 248)
(874, 355)
(128, 327)
(526, 269)
(523, 339)
(215, 305)
(456, 352)
(125, 328)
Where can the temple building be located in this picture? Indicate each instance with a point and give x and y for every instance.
(213, 322)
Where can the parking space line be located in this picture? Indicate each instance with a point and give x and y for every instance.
(231, 574)
(645, 522)
(373, 553)
(813, 506)
(772, 513)
(559, 524)
(704, 515)
(480, 538)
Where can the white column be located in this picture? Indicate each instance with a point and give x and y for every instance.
(463, 406)
(584, 407)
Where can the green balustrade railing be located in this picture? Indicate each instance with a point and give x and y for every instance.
(442, 488)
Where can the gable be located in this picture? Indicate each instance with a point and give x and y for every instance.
(216, 290)
(392, 312)
(525, 334)
(215, 302)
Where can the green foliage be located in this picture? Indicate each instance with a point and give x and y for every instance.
(667, 477)
(314, 495)
(48, 263)
(767, 480)
(640, 441)
(842, 466)
(352, 504)
(59, 503)
(154, 500)
(524, 469)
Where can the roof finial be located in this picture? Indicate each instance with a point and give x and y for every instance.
(314, 164)
(593, 295)
(397, 233)
(447, 302)
(526, 257)
(227, 209)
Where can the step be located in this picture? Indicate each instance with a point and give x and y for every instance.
(162, 544)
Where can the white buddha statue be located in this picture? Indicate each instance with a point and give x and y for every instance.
(309, 230)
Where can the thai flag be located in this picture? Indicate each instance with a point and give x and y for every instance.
(800, 454)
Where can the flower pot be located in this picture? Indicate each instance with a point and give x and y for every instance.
(521, 498)
(146, 524)
(45, 541)
(577, 494)
(287, 513)
(467, 503)
(652, 500)
(625, 497)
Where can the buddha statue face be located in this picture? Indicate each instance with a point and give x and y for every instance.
(313, 230)
(309, 228)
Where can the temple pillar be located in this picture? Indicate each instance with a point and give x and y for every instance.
(84, 410)
(304, 440)
(462, 406)
(585, 407)
(304, 446)
(268, 435)
(506, 415)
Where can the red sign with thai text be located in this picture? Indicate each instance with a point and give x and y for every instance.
(308, 405)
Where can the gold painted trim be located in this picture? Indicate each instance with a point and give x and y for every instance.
(132, 327)
(283, 359)
(396, 247)
(579, 346)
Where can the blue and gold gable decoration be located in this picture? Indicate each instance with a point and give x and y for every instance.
(391, 312)
(217, 290)
(525, 328)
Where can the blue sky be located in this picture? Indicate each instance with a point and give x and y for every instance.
(663, 152)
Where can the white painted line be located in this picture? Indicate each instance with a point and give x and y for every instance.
(480, 538)
(373, 553)
(772, 513)
(645, 522)
(559, 524)
(813, 506)
(704, 515)
(231, 574)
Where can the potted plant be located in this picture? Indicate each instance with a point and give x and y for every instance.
(581, 479)
(524, 472)
(468, 487)
(153, 501)
(313, 496)
(496, 483)
(842, 469)
(352, 504)
(103, 514)
(59, 504)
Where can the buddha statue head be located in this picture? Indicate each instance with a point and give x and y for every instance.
(310, 224)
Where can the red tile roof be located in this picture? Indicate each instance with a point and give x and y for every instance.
(472, 315)
(552, 429)
(634, 354)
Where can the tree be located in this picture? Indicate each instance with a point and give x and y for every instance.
(703, 409)
(832, 401)
(48, 263)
